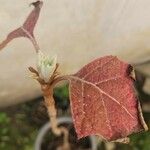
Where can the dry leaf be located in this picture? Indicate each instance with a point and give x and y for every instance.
(104, 101)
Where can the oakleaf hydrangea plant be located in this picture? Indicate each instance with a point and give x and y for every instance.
(102, 93)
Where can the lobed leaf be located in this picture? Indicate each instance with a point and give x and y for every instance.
(26, 30)
(104, 101)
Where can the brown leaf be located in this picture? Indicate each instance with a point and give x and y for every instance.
(31, 69)
(103, 100)
(27, 29)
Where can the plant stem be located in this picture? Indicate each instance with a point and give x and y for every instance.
(50, 104)
(31, 37)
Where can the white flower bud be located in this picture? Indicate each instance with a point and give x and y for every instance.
(46, 66)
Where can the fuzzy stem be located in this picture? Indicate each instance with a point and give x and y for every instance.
(50, 104)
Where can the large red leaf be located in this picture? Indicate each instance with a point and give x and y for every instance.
(26, 30)
(103, 100)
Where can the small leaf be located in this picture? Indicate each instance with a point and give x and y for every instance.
(27, 29)
(104, 101)
(31, 69)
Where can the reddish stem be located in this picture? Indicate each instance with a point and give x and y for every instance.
(47, 90)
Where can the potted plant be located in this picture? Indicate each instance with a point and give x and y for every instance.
(88, 143)
(102, 95)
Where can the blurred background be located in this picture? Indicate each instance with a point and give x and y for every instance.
(78, 32)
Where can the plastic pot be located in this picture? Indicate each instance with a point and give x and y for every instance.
(62, 120)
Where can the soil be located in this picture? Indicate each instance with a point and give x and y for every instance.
(51, 142)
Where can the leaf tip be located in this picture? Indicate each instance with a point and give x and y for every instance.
(132, 72)
(37, 4)
(125, 140)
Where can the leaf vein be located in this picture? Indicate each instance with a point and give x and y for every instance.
(77, 78)
(97, 68)
(103, 81)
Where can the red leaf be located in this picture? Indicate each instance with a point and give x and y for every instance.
(27, 29)
(103, 100)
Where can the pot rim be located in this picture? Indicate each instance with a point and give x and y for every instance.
(44, 129)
